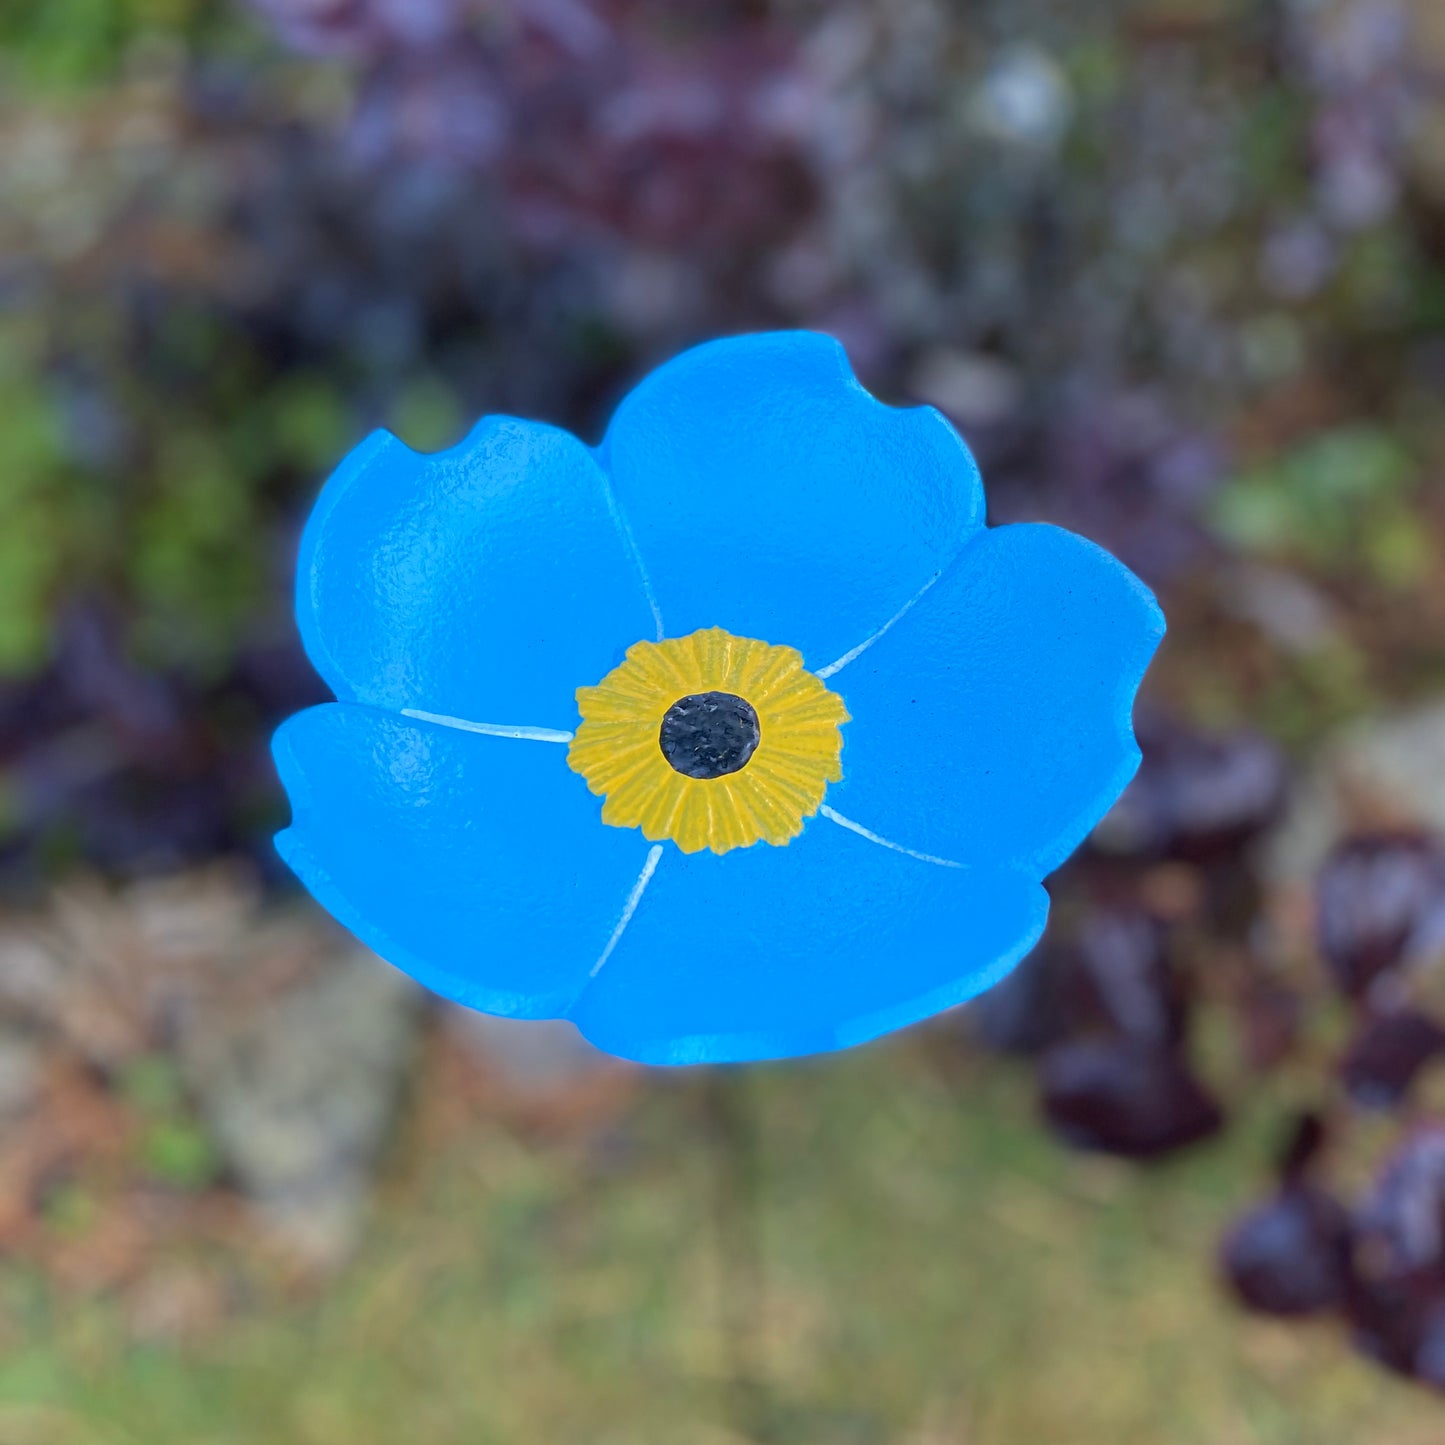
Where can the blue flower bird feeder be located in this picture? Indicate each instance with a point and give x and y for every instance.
(740, 736)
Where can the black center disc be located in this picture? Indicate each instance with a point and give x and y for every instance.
(709, 734)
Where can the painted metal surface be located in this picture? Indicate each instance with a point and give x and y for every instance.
(456, 603)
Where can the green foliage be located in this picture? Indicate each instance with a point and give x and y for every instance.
(426, 415)
(175, 1147)
(1314, 694)
(152, 1084)
(33, 514)
(180, 1153)
(1342, 501)
(178, 527)
(70, 1209)
(1272, 133)
(70, 44)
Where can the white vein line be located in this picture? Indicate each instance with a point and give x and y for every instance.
(619, 517)
(834, 816)
(492, 730)
(654, 854)
(868, 642)
(646, 580)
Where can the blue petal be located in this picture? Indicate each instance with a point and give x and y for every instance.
(477, 864)
(769, 494)
(993, 723)
(486, 582)
(769, 952)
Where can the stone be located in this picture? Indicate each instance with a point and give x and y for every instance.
(1382, 773)
(300, 1093)
(20, 1059)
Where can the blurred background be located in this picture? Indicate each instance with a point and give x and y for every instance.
(1176, 268)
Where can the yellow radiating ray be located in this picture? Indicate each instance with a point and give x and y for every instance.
(618, 753)
(801, 801)
(772, 817)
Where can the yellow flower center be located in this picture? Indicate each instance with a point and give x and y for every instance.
(711, 740)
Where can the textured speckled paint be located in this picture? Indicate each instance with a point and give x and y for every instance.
(825, 943)
(477, 864)
(1016, 671)
(484, 582)
(771, 495)
(751, 485)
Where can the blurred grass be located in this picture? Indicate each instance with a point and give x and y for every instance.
(936, 1271)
